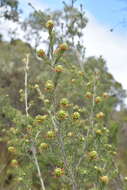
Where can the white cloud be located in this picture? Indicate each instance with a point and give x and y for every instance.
(98, 41)
(7, 28)
(111, 45)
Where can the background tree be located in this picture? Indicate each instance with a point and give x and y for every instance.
(60, 79)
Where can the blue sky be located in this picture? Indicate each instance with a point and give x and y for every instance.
(108, 12)
(98, 40)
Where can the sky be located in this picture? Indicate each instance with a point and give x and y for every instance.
(98, 40)
(110, 12)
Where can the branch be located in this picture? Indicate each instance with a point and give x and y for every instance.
(37, 166)
(26, 61)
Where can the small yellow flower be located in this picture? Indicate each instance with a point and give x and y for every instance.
(98, 132)
(43, 146)
(62, 115)
(13, 130)
(100, 115)
(104, 179)
(40, 53)
(70, 134)
(46, 101)
(58, 172)
(105, 95)
(59, 69)
(14, 163)
(19, 179)
(73, 80)
(21, 91)
(50, 24)
(51, 134)
(36, 86)
(76, 115)
(12, 149)
(64, 102)
(92, 155)
(98, 99)
(49, 85)
(88, 95)
(63, 47)
(41, 118)
(80, 73)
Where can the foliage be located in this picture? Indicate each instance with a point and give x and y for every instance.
(9, 9)
(57, 111)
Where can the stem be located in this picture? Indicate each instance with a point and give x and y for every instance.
(74, 185)
(66, 165)
(26, 84)
(93, 103)
(27, 114)
(120, 177)
(37, 166)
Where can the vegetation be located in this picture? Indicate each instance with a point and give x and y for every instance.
(59, 119)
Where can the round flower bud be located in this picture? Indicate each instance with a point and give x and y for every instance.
(58, 172)
(100, 115)
(63, 47)
(50, 24)
(105, 95)
(14, 163)
(27, 140)
(19, 179)
(40, 53)
(36, 86)
(13, 130)
(114, 153)
(73, 80)
(76, 107)
(21, 91)
(59, 69)
(70, 134)
(104, 179)
(64, 102)
(11, 149)
(51, 134)
(46, 101)
(98, 132)
(43, 146)
(80, 73)
(49, 85)
(108, 146)
(88, 95)
(41, 118)
(98, 99)
(62, 115)
(92, 155)
(76, 115)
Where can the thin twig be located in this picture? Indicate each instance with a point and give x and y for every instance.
(37, 166)
(26, 61)
(26, 84)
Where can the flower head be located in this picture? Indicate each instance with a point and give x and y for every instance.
(50, 24)
(40, 53)
(58, 172)
(104, 179)
(76, 115)
(62, 115)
